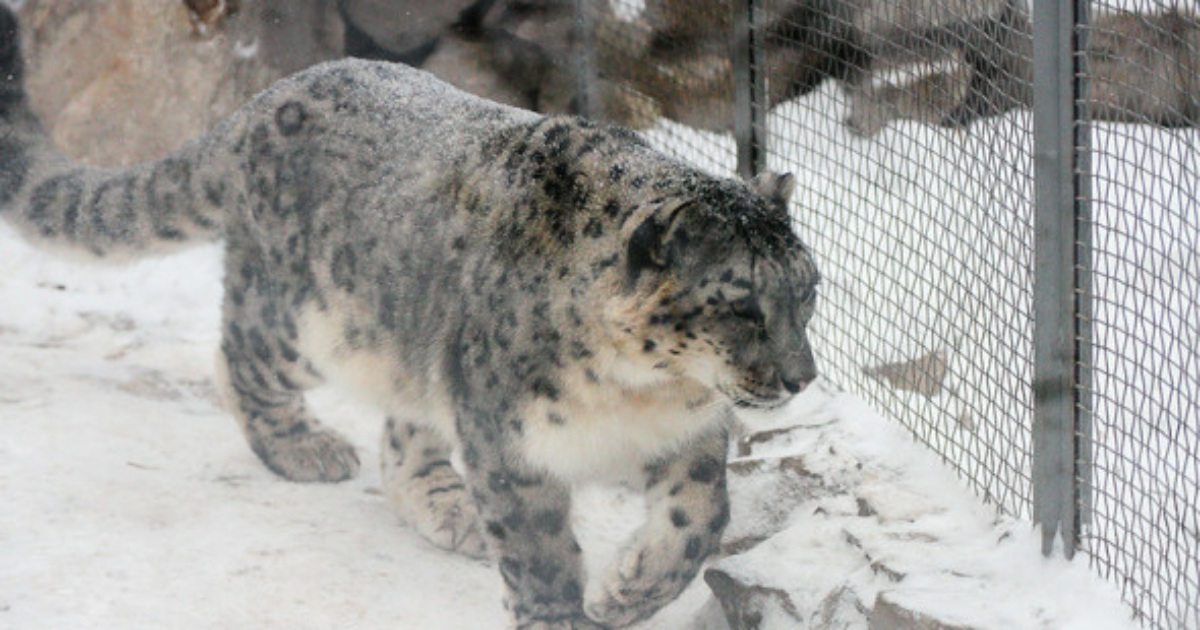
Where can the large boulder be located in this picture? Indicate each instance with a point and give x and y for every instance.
(125, 81)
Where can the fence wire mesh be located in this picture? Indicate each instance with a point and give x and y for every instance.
(1144, 63)
(909, 126)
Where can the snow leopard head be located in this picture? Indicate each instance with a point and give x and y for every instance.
(725, 291)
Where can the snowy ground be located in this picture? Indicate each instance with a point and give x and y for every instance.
(131, 500)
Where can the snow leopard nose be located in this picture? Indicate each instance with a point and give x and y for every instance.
(797, 381)
(799, 370)
(794, 387)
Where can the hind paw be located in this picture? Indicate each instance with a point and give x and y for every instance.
(310, 456)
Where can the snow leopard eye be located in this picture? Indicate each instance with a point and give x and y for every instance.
(747, 308)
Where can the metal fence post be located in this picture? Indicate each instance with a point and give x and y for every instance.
(1083, 276)
(584, 61)
(1061, 284)
(749, 91)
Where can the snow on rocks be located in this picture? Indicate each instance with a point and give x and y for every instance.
(841, 521)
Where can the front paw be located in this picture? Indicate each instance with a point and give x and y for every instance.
(635, 589)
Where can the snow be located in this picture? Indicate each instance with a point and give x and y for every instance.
(958, 559)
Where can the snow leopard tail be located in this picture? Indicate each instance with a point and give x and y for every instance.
(108, 213)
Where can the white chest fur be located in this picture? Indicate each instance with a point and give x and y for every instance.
(607, 431)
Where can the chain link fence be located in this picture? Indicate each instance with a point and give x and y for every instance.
(1003, 197)
(1144, 376)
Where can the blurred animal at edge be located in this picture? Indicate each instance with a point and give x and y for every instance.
(959, 60)
(679, 52)
(1142, 68)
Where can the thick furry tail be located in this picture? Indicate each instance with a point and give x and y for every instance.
(108, 213)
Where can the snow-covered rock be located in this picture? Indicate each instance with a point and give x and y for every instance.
(840, 521)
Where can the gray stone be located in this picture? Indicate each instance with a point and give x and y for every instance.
(842, 609)
(892, 613)
(127, 81)
(750, 606)
(763, 494)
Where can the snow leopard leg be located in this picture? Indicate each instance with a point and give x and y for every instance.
(526, 516)
(688, 510)
(425, 490)
(264, 376)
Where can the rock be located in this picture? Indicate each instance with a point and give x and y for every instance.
(821, 538)
(891, 613)
(763, 494)
(842, 609)
(750, 606)
(127, 81)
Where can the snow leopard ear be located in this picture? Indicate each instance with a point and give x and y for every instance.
(776, 187)
(648, 249)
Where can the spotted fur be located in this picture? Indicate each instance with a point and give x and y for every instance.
(549, 296)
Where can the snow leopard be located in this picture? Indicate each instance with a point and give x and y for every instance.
(532, 301)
